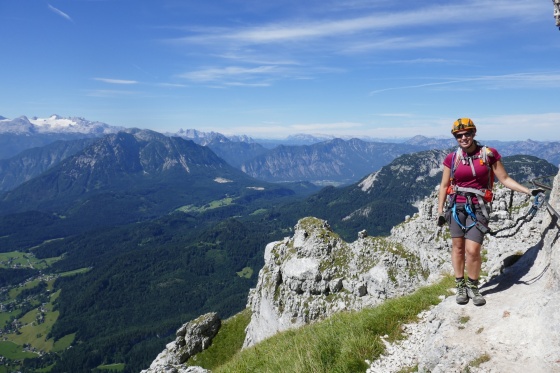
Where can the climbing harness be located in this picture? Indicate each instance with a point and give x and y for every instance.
(484, 196)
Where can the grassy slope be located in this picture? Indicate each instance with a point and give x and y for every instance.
(341, 343)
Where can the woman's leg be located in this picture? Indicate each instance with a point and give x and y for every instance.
(473, 259)
(458, 262)
(458, 256)
(473, 264)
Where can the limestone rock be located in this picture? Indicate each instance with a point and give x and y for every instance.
(314, 274)
(518, 330)
(192, 338)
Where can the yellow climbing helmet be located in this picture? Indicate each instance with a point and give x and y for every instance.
(463, 124)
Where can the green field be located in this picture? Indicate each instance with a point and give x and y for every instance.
(246, 272)
(209, 206)
(75, 272)
(12, 351)
(35, 333)
(25, 260)
(112, 367)
(36, 323)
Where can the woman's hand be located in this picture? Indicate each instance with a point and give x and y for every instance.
(441, 220)
(534, 192)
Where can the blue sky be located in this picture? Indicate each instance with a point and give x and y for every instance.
(269, 69)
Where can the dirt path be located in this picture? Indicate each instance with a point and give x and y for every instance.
(518, 330)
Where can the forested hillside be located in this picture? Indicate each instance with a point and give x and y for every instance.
(116, 289)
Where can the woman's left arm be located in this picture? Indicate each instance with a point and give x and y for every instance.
(506, 180)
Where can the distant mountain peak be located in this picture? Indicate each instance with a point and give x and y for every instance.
(205, 138)
(55, 124)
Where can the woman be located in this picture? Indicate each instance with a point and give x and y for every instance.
(468, 175)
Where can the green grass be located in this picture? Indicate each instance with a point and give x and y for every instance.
(5, 317)
(112, 367)
(75, 272)
(246, 272)
(209, 206)
(25, 260)
(44, 370)
(479, 360)
(341, 343)
(12, 351)
(63, 343)
(259, 212)
(35, 334)
(13, 293)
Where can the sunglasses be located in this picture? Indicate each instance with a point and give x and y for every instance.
(460, 135)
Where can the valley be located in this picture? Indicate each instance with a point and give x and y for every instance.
(27, 311)
(136, 233)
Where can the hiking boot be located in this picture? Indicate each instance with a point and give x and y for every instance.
(474, 294)
(462, 297)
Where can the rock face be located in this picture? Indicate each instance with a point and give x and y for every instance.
(314, 274)
(518, 330)
(192, 338)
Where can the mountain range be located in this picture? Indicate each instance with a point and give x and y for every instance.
(320, 160)
(127, 177)
(139, 231)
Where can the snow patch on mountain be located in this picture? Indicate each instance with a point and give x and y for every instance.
(221, 180)
(55, 124)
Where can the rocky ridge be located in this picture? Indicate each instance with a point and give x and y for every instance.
(192, 338)
(518, 330)
(314, 274)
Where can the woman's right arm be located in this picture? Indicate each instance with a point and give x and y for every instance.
(443, 188)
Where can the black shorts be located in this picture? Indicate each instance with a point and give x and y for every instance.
(473, 233)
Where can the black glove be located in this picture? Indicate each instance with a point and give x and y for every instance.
(441, 220)
(534, 192)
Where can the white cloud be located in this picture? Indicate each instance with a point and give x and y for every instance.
(303, 43)
(325, 127)
(214, 74)
(110, 93)
(538, 127)
(116, 81)
(60, 12)
(511, 81)
(473, 12)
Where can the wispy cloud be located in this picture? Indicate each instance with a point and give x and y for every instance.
(540, 127)
(518, 80)
(273, 129)
(60, 12)
(411, 18)
(314, 127)
(304, 43)
(239, 84)
(406, 43)
(104, 93)
(171, 85)
(116, 81)
(216, 74)
(420, 61)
